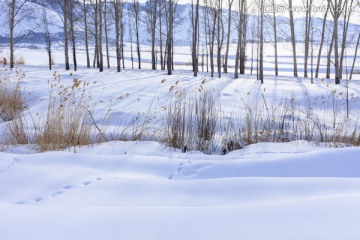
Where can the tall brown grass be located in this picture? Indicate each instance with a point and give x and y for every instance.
(191, 121)
(198, 123)
(20, 60)
(67, 123)
(11, 101)
(12, 106)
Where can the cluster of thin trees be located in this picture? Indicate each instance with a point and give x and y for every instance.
(215, 24)
(96, 17)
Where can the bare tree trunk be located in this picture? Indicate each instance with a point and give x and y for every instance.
(202, 59)
(11, 28)
(195, 58)
(153, 37)
(136, 7)
(71, 7)
(261, 70)
(321, 43)
(239, 42)
(151, 21)
(258, 45)
(293, 40)
(172, 45)
(312, 52)
(122, 31)
(353, 64)
(170, 37)
(220, 35)
(131, 46)
(106, 35)
(101, 62)
(252, 58)
(116, 5)
(275, 40)
(66, 38)
(328, 65)
(165, 54)
(47, 36)
(347, 10)
(206, 24)
(96, 23)
(243, 38)
(16, 15)
(230, 3)
(212, 30)
(308, 6)
(253, 34)
(336, 38)
(162, 64)
(336, 8)
(86, 36)
(95, 56)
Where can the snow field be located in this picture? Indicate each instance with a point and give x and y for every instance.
(145, 190)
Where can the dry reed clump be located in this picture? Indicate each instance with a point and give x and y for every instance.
(230, 133)
(19, 60)
(12, 106)
(11, 101)
(176, 124)
(53, 61)
(191, 121)
(67, 122)
(16, 132)
(289, 121)
(206, 119)
(198, 123)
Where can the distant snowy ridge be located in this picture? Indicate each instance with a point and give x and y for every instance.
(35, 29)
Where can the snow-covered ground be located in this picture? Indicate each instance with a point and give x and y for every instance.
(145, 190)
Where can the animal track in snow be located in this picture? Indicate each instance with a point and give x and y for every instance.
(14, 161)
(58, 192)
(179, 168)
(187, 169)
(38, 199)
(86, 183)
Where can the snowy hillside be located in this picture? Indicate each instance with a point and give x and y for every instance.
(33, 22)
(33, 27)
